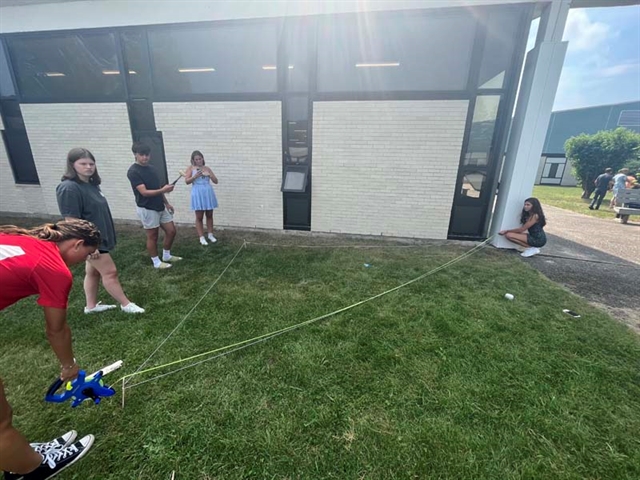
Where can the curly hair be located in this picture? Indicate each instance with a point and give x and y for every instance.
(74, 229)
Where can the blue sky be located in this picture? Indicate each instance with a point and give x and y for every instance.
(603, 61)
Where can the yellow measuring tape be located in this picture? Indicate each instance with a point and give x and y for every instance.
(307, 322)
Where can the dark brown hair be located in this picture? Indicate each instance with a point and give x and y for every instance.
(535, 210)
(141, 148)
(73, 156)
(197, 153)
(74, 229)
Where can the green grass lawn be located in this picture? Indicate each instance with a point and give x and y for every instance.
(442, 379)
(569, 198)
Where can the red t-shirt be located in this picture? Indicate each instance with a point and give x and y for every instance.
(30, 266)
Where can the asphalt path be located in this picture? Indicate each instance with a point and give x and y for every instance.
(598, 259)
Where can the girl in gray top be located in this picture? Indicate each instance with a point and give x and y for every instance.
(79, 196)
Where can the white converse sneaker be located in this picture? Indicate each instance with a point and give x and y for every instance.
(57, 459)
(60, 442)
(172, 258)
(99, 308)
(162, 265)
(211, 238)
(131, 308)
(530, 252)
(203, 241)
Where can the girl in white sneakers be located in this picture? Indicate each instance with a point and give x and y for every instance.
(203, 198)
(79, 196)
(531, 234)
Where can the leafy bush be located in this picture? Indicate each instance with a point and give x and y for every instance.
(591, 154)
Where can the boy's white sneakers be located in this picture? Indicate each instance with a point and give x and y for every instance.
(530, 252)
(211, 238)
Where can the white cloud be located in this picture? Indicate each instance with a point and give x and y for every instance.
(582, 33)
(616, 70)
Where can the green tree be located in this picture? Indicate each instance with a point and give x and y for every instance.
(591, 154)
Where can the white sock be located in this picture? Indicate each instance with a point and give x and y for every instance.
(202, 237)
(166, 254)
(156, 261)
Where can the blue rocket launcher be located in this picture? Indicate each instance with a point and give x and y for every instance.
(83, 387)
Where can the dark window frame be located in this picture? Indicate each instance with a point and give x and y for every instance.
(11, 135)
(503, 118)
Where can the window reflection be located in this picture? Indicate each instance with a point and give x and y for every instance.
(214, 59)
(6, 84)
(482, 129)
(68, 66)
(137, 59)
(502, 29)
(297, 122)
(395, 53)
(299, 33)
(472, 184)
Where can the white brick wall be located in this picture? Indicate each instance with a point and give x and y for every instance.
(242, 143)
(17, 198)
(386, 167)
(102, 128)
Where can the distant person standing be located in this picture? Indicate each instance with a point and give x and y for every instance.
(602, 184)
(203, 198)
(619, 183)
(152, 207)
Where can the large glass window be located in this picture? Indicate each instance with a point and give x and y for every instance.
(398, 52)
(502, 29)
(225, 59)
(297, 123)
(6, 83)
(136, 57)
(483, 125)
(67, 67)
(300, 32)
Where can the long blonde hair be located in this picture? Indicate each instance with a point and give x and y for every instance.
(75, 229)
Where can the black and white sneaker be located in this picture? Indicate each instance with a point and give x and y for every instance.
(60, 442)
(57, 459)
(57, 443)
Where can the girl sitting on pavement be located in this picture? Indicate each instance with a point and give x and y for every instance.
(533, 222)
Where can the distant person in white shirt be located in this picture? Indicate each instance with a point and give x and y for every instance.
(619, 183)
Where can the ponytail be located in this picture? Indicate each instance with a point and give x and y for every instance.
(75, 229)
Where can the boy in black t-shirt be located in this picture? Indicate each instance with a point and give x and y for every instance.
(152, 207)
(602, 184)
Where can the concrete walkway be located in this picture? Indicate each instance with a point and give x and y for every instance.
(595, 258)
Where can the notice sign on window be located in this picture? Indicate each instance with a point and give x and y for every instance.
(295, 181)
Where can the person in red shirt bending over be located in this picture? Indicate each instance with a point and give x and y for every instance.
(36, 262)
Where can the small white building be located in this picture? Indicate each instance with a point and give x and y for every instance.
(380, 118)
